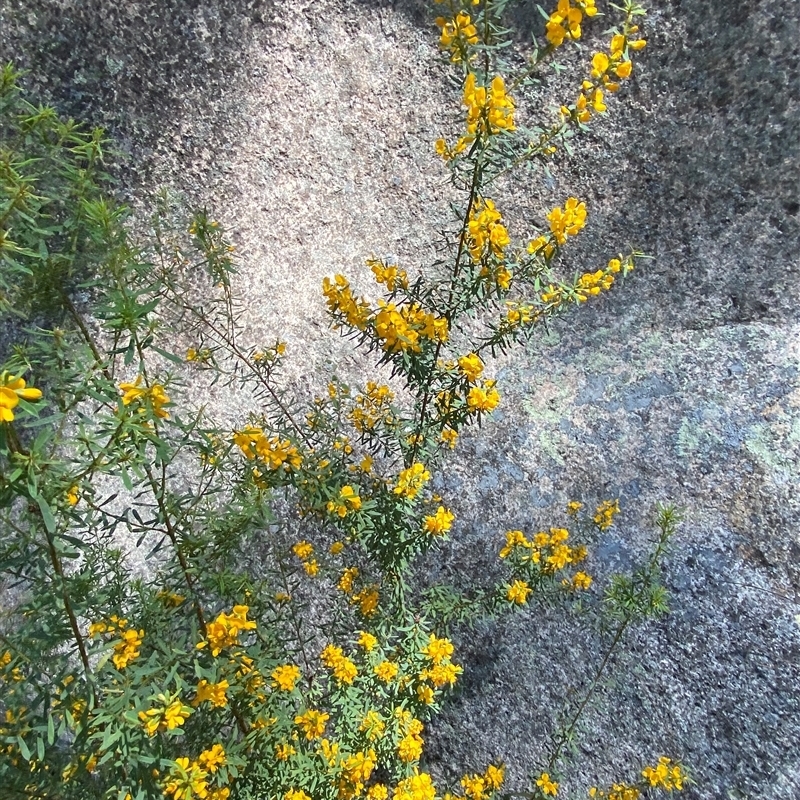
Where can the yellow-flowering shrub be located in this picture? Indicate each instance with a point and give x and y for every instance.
(278, 646)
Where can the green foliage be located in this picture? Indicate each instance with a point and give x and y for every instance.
(272, 639)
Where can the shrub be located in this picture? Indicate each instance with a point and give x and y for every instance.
(276, 642)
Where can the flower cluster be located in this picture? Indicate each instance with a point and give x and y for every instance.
(397, 328)
(567, 221)
(388, 274)
(401, 328)
(604, 515)
(410, 481)
(457, 34)
(347, 501)
(547, 551)
(483, 398)
(589, 284)
(344, 670)
(438, 524)
(441, 672)
(225, 629)
(565, 21)
(471, 366)
(339, 296)
(214, 693)
(153, 396)
(547, 785)
(519, 314)
(665, 775)
(274, 452)
(312, 723)
(409, 729)
(488, 111)
(356, 770)
(170, 714)
(487, 234)
(480, 787)
(304, 551)
(518, 592)
(286, 676)
(190, 778)
(128, 648)
(12, 390)
(607, 70)
(372, 407)
(418, 786)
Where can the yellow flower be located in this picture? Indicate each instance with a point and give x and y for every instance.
(439, 523)
(286, 676)
(624, 69)
(600, 64)
(296, 794)
(284, 751)
(212, 759)
(72, 495)
(438, 650)
(127, 650)
(474, 787)
(441, 674)
(604, 515)
(494, 776)
(225, 629)
(410, 748)
(573, 507)
(570, 220)
(312, 722)
(472, 366)
(410, 481)
(425, 694)
(386, 671)
(387, 274)
(546, 785)
(378, 791)
(367, 641)
(418, 786)
(344, 670)
(367, 600)
(303, 550)
(155, 394)
(518, 592)
(336, 548)
(449, 437)
(186, 780)
(483, 398)
(347, 580)
(487, 234)
(168, 716)
(214, 693)
(12, 390)
(581, 580)
(665, 775)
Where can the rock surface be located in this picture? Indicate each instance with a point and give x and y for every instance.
(308, 127)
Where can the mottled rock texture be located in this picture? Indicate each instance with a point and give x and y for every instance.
(308, 127)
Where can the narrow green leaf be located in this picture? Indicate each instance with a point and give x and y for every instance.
(47, 515)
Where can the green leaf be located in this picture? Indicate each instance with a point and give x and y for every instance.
(47, 515)
(23, 748)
